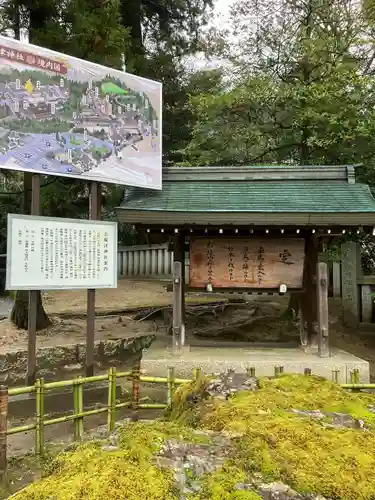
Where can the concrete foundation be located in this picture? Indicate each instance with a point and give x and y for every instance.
(156, 360)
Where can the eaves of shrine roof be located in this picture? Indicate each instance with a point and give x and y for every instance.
(304, 195)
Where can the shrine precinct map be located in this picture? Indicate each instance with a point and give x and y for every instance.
(64, 116)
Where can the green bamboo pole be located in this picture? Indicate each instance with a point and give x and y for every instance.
(78, 409)
(197, 373)
(68, 418)
(39, 432)
(335, 376)
(163, 380)
(279, 370)
(126, 404)
(21, 428)
(136, 373)
(16, 391)
(170, 385)
(152, 406)
(358, 386)
(69, 383)
(111, 399)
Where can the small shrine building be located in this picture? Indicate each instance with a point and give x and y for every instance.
(253, 229)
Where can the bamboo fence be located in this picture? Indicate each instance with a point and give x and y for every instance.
(135, 404)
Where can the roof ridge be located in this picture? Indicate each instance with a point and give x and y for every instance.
(261, 172)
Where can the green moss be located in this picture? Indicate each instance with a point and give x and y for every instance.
(336, 463)
(221, 485)
(283, 394)
(269, 443)
(89, 472)
(187, 408)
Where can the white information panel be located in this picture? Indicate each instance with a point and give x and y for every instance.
(45, 253)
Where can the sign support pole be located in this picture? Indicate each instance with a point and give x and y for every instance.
(33, 294)
(94, 214)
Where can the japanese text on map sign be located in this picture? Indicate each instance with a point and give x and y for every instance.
(31, 60)
(247, 263)
(61, 255)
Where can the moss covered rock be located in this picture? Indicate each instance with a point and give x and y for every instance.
(232, 437)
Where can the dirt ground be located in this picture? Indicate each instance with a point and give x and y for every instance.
(114, 308)
(67, 310)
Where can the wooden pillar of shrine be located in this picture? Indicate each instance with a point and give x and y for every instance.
(308, 300)
(179, 256)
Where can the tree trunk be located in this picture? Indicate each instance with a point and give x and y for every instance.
(38, 16)
(131, 15)
(20, 312)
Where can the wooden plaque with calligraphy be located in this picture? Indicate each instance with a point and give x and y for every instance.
(241, 263)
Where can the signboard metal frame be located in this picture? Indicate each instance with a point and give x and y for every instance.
(11, 217)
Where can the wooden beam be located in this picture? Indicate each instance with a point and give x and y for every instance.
(94, 214)
(322, 299)
(309, 300)
(366, 280)
(255, 291)
(33, 294)
(336, 279)
(177, 306)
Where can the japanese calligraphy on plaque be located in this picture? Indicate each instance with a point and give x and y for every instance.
(45, 253)
(246, 263)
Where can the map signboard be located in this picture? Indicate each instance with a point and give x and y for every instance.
(45, 253)
(64, 116)
(246, 263)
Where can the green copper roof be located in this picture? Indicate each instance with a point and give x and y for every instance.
(253, 195)
(258, 196)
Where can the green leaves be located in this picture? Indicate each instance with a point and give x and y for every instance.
(298, 92)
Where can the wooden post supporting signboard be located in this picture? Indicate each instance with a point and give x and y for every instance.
(94, 214)
(33, 294)
(177, 306)
(322, 296)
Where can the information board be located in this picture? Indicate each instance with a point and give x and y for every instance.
(45, 253)
(64, 116)
(246, 263)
